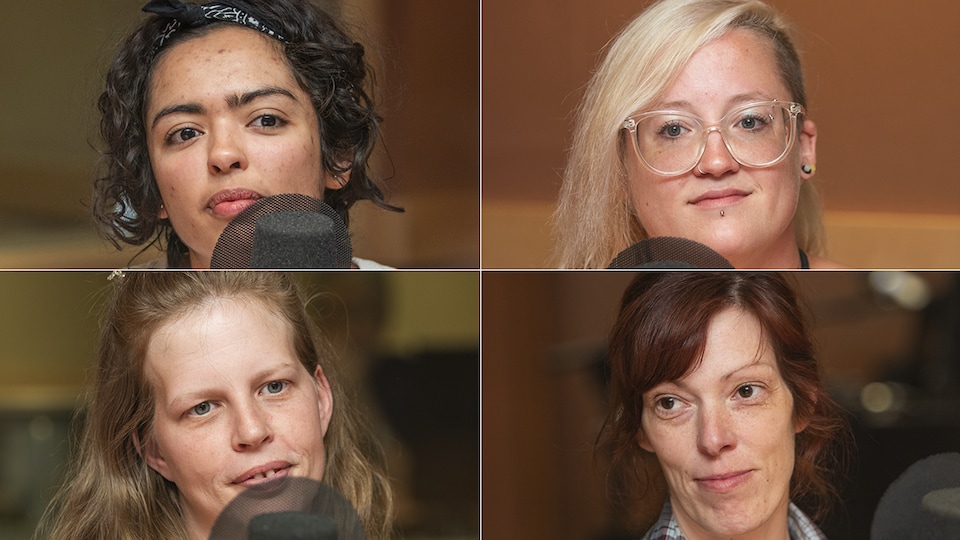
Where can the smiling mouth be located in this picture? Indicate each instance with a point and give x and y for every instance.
(264, 476)
(719, 199)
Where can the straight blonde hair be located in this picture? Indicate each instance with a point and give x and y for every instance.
(595, 219)
(110, 492)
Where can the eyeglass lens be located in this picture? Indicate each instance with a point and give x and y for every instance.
(756, 136)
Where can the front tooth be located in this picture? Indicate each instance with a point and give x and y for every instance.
(258, 476)
(271, 473)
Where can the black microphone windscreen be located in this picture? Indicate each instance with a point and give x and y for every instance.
(289, 508)
(292, 526)
(668, 252)
(286, 231)
(913, 505)
(281, 240)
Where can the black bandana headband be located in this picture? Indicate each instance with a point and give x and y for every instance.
(193, 15)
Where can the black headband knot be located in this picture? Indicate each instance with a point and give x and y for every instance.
(193, 15)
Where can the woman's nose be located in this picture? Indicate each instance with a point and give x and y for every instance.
(226, 151)
(716, 431)
(252, 427)
(716, 159)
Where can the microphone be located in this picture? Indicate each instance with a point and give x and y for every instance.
(289, 508)
(291, 526)
(924, 502)
(287, 231)
(669, 252)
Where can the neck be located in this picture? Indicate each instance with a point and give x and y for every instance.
(773, 528)
(781, 254)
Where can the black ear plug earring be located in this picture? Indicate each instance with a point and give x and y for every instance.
(807, 168)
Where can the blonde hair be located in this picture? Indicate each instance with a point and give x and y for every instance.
(110, 492)
(595, 219)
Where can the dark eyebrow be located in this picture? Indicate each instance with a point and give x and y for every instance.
(189, 108)
(233, 102)
(246, 98)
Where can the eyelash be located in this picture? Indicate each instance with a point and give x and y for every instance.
(280, 122)
(192, 411)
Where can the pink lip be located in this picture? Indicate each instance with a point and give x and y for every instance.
(230, 202)
(716, 198)
(247, 479)
(725, 482)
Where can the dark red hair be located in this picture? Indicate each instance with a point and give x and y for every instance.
(659, 336)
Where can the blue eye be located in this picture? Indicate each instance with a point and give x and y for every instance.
(275, 387)
(201, 409)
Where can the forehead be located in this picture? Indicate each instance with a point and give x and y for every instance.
(216, 335)
(738, 66)
(228, 57)
(735, 341)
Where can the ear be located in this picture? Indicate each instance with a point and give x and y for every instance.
(324, 399)
(643, 442)
(808, 147)
(162, 213)
(150, 453)
(338, 180)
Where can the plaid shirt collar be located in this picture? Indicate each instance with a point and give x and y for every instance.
(799, 525)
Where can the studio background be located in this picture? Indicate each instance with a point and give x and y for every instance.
(425, 54)
(887, 343)
(409, 346)
(881, 82)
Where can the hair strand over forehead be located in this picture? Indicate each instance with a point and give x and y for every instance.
(659, 336)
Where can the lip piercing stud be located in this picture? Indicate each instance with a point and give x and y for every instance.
(722, 213)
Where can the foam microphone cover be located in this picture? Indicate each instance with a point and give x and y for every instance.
(289, 508)
(292, 526)
(668, 252)
(924, 502)
(287, 231)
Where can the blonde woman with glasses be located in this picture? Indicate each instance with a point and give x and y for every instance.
(694, 126)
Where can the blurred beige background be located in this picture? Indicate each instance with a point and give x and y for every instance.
(53, 54)
(881, 83)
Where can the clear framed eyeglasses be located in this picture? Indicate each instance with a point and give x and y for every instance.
(757, 134)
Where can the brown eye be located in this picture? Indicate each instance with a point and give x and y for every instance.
(666, 403)
(745, 391)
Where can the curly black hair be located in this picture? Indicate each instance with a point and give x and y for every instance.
(327, 63)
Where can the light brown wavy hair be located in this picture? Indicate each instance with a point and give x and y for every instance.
(110, 491)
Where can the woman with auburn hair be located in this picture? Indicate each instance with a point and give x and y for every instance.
(207, 384)
(694, 126)
(714, 384)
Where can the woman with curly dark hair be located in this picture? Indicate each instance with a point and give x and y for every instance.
(208, 109)
(716, 393)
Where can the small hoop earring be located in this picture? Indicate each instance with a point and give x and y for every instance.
(808, 168)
